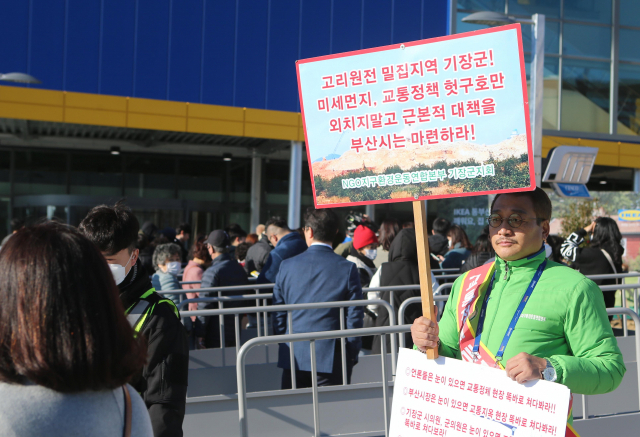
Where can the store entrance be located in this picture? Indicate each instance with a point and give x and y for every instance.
(164, 213)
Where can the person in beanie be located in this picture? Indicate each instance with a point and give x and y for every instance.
(224, 271)
(164, 379)
(362, 253)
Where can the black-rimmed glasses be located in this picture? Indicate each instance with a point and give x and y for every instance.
(514, 220)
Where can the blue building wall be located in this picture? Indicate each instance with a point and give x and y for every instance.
(225, 52)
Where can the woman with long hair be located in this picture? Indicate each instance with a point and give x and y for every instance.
(388, 231)
(67, 351)
(603, 256)
(459, 248)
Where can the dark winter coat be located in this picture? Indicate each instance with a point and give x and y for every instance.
(164, 379)
(476, 259)
(438, 244)
(257, 255)
(591, 261)
(402, 269)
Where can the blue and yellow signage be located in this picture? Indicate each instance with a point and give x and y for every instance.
(629, 215)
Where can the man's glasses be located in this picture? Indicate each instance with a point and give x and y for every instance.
(514, 220)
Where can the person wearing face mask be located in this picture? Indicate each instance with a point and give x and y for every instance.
(164, 379)
(166, 259)
(363, 252)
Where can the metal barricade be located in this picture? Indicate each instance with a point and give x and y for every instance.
(230, 288)
(636, 319)
(302, 306)
(243, 297)
(312, 337)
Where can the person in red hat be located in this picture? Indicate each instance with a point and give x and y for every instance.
(363, 252)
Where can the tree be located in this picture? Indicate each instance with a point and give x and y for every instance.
(577, 215)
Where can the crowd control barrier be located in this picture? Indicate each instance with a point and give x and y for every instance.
(312, 337)
(295, 307)
(243, 297)
(230, 288)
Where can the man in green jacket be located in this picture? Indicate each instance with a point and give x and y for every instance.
(562, 333)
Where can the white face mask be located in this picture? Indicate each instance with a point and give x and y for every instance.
(173, 267)
(120, 272)
(371, 253)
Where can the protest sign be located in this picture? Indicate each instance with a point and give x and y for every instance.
(448, 397)
(437, 118)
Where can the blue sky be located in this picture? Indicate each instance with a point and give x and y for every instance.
(489, 129)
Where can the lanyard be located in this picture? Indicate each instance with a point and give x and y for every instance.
(514, 320)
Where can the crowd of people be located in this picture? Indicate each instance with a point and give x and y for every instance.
(83, 328)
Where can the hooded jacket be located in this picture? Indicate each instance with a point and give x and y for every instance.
(402, 269)
(164, 379)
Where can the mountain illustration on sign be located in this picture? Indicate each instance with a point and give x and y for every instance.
(509, 155)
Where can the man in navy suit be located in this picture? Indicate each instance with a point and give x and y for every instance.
(318, 275)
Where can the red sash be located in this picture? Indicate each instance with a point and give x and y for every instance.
(472, 289)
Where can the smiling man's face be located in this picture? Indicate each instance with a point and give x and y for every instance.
(512, 243)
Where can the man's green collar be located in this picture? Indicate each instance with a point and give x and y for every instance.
(532, 260)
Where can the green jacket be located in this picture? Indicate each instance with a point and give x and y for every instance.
(564, 321)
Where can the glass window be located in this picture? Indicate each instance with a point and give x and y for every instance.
(40, 172)
(551, 37)
(585, 96)
(276, 182)
(150, 176)
(240, 182)
(628, 99)
(97, 174)
(5, 181)
(629, 12)
(593, 41)
(201, 179)
(598, 11)
(550, 94)
(482, 5)
(629, 50)
(551, 8)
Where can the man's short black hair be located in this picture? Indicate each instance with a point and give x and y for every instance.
(183, 227)
(235, 231)
(541, 202)
(324, 223)
(111, 228)
(441, 226)
(17, 223)
(278, 222)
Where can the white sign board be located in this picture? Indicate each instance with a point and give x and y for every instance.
(448, 397)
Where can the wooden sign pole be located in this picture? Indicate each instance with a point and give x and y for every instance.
(424, 265)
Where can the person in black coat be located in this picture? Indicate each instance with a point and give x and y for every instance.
(438, 241)
(604, 256)
(402, 269)
(481, 253)
(164, 379)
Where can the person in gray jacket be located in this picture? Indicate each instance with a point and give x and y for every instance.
(257, 256)
(68, 373)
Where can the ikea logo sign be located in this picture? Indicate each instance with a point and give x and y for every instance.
(629, 215)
